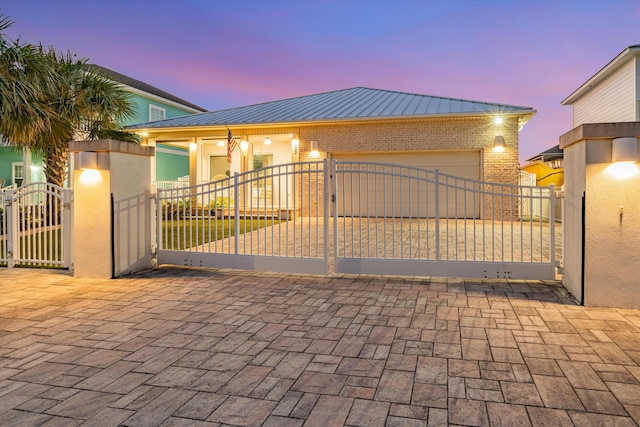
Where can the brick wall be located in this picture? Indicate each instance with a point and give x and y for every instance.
(371, 136)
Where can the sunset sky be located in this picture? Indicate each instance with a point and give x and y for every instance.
(221, 54)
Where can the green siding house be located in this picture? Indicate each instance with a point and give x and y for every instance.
(151, 104)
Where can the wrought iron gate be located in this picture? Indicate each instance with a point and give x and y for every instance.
(361, 218)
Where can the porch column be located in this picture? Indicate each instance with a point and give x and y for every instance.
(26, 167)
(152, 143)
(193, 162)
(601, 216)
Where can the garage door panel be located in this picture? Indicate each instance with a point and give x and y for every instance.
(370, 192)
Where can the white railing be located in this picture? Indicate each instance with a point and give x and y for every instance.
(387, 216)
(36, 226)
(267, 216)
(8, 187)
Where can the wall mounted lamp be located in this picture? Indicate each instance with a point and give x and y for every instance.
(267, 141)
(498, 144)
(244, 147)
(624, 150)
(314, 150)
(87, 160)
(295, 145)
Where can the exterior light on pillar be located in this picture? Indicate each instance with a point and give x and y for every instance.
(244, 147)
(498, 120)
(87, 160)
(267, 141)
(314, 150)
(498, 144)
(624, 150)
(193, 146)
(295, 145)
(624, 156)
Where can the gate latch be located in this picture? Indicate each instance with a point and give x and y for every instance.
(333, 198)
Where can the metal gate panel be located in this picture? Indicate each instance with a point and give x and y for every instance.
(439, 225)
(265, 219)
(36, 226)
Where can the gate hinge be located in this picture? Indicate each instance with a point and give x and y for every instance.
(66, 205)
(153, 196)
(8, 202)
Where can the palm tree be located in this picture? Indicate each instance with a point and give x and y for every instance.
(49, 98)
(24, 77)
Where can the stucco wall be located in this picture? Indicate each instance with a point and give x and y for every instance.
(124, 172)
(612, 268)
(612, 246)
(574, 187)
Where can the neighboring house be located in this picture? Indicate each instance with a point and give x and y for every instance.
(150, 103)
(453, 135)
(612, 94)
(547, 167)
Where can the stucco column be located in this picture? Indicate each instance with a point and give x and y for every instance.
(112, 208)
(601, 250)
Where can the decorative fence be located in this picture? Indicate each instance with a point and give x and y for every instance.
(36, 226)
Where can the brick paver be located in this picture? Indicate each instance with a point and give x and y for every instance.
(189, 346)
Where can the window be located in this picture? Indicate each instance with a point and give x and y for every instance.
(17, 173)
(156, 113)
(218, 167)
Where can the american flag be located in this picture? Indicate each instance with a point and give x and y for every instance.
(231, 145)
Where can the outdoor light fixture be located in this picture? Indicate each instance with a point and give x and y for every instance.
(498, 144)
(498, 120)
(624, 157)
(87, 160)
(220, 143)
(244, 147)
(624, 150)
(193, 146)
(295, 145)
(314, 149)
(267, 141)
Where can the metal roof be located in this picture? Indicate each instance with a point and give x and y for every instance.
(347, 104)
(140, 85)
(550, 154)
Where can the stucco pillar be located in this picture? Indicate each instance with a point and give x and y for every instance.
(601, 249)
(112, 209)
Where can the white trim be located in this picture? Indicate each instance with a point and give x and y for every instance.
(170, 151)
(13, 172)
(152, 108)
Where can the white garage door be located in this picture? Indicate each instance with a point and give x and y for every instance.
(386, 194)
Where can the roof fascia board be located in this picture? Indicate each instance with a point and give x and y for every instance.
(524, 113)
(604, 72)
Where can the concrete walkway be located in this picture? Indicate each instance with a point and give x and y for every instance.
(195, 347)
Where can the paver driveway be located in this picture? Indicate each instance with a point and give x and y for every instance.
(199, 347)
